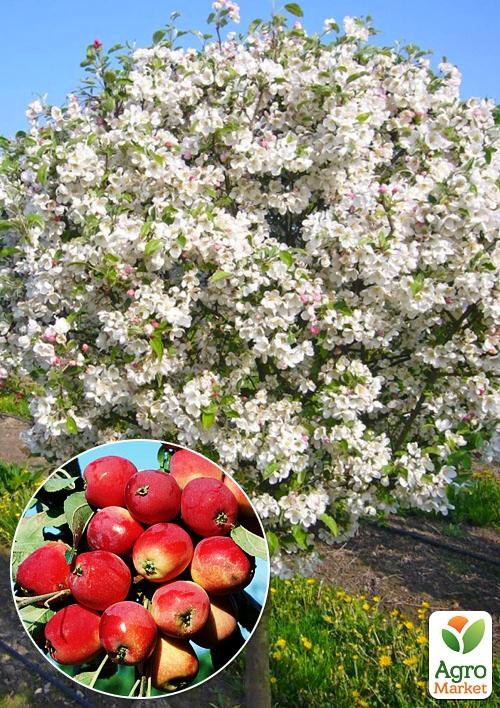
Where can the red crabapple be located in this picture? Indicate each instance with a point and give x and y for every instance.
(153, 496)
(99, 579)
(162, 552)
(180, 608)
(105, 480)
(220, 566)
(128, 632)
(174, 664)
(220, 625)
(72, 635)
(45, 570)
(208, 507)
(186, 465)
(113, 529)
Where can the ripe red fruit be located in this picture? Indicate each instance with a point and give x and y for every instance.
(128, 632)
(186, 465)
(72, 635)
(162, 552)
(208, 507)
(105, 480)
(220, 566)
(99, 579)
(244, 507)
(180, 608)
(45, 570)
(153, 496)
(220, 625)
(113, 529)
(174, 664)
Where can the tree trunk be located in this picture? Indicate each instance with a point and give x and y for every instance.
(257, 685)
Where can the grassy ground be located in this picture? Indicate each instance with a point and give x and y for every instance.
(330, 649)
(17, 485)
(478, 501)
(13, 400)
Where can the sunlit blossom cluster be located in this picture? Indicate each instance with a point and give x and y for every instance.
(279, 250)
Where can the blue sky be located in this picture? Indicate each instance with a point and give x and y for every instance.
(44, 41)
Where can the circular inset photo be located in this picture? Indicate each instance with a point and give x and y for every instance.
(140, 568)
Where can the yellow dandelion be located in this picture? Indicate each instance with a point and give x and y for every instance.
(311, 581)
(340, 668)
(281, 643)
(384, 660)
(425, 604)
(366, 606)
(277, 655)
(328, 618)
(411, 661)
(340, 593)
(355, 657)
(273, 679)
(394, 613)
(421, 639)
(355, 694)
(421, 684)
(376, 598)
(306, 643)
(362, 703)
(408, 624)
(362, 597)
(398, 685)
(273, 590)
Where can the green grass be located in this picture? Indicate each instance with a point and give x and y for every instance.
(17, 485)
(478, 501)
(336, 650)
(13, 404)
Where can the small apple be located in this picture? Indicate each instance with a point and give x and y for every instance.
(99, 579)
(208, 507)
(162, 552)
(180, 608)
(72, 635)
(220, 625)
(105, 480)
(113, 529)
(45, 570)
(174, 664)
(244, 506)
(186, 465)
(220, 566)
(153, 496)
(128, 633)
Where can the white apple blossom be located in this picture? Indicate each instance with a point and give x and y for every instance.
(281, 251)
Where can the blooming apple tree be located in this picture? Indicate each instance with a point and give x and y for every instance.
(278, 249)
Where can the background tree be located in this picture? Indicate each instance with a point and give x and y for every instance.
(278, 249)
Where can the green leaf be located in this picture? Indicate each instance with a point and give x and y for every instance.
(450, 640)
(287, 258)
(158, 36)
(208, 419)
(30, 536)
(300, 536)
(473, 635)
(55, 483)
(152, 247)
(219, 275)
(69, 555)
(488, 153)
(270, 469)
(330, 523)
(251, 543)
(71, 425)
(35, 617)
(41, 174)
(294, 9)
(157, 346)
(78, 514)
(272, 542)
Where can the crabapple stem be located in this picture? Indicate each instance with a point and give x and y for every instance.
(137, 579)
(47, 597)
(134, 687)
(98, 671)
